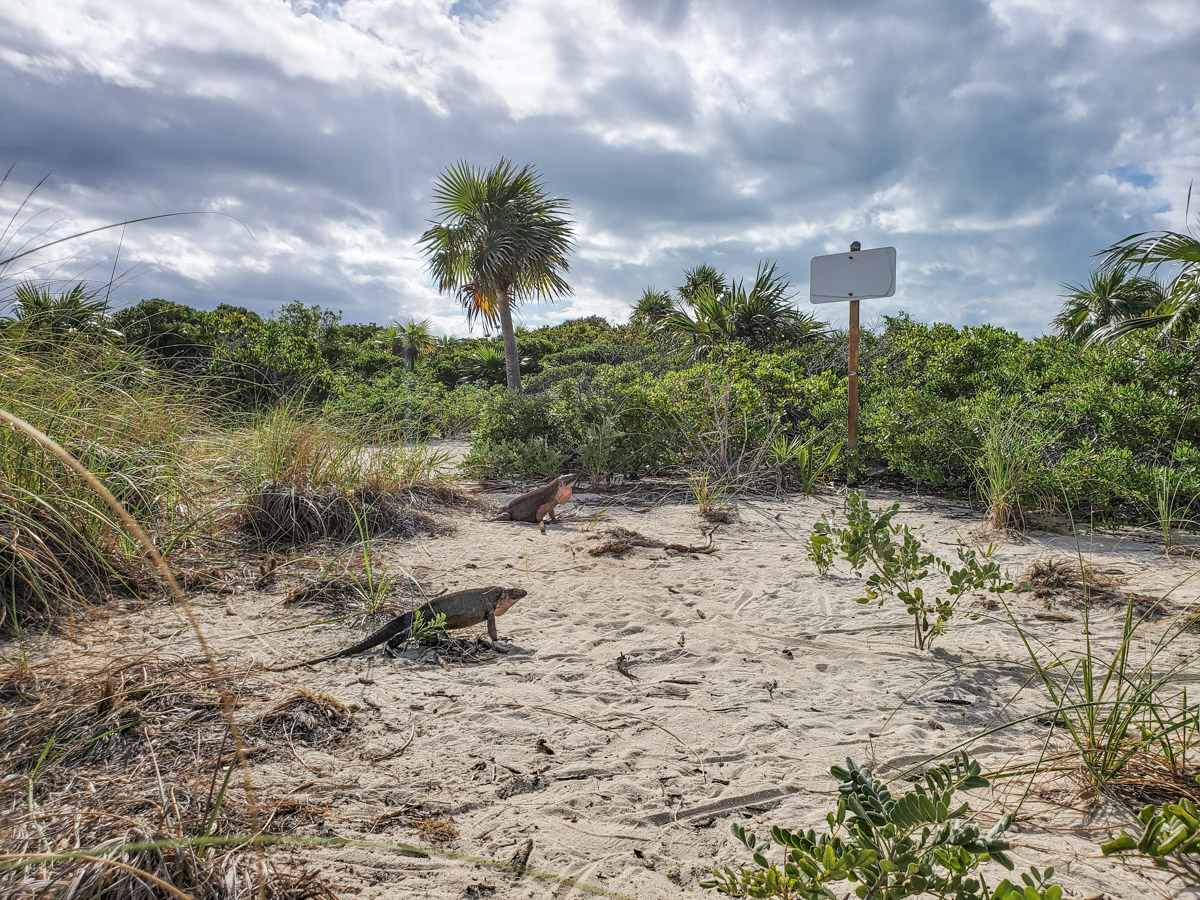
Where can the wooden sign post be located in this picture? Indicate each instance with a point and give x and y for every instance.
(852, 383)
(854, 276)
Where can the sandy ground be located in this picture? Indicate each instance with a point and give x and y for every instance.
(643, 704)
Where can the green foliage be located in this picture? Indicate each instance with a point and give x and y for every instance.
(514, 417)
(486, 363)
(295, 448)
(1111, 297)
(1007, 467)
(1179, 253)
(598, 451)
(1128, 718)
(802, 461)
(1170, 838)
(900, 565)
(1090, 419)
(500, 239)
(46, 318)
(427, 632)
(171, 334)
(711, 311)
(291, 354)
(1109, 432)
(889, 847)
(651, 309)
(531, 458)
(411, 339)
(63, 550)
(375, 582)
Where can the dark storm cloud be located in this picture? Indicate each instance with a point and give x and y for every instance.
(996, 145)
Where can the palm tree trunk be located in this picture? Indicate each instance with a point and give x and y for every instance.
(512, 362)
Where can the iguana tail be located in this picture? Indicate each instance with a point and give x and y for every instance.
(397, 630)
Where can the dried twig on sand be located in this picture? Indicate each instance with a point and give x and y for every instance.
(1055, 579)
(621, 540)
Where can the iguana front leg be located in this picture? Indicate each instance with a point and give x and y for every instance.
(491, 623)
(544, 512)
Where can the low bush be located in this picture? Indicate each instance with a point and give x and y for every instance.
(1095, 430)
(900, 565)
(1170, 838)
(919, 844)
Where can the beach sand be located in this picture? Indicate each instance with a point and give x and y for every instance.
(642, 704)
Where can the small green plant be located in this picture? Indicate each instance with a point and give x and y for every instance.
(599, 450)
(800, 461)
(1173, 503)
(918, 844)
(1006, 468)
(1170, 837)
(712, 495)
(1131, 724)
(894, 552)
(428, 632)
(375, 582)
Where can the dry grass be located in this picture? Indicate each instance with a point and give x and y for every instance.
(313, 720)
(277, 514)
(1051, 580)
(132, 753)
(619, 542)
(62, 551)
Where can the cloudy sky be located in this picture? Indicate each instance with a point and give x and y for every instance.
(997, 145)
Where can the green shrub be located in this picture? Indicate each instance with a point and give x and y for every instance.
(1170, 838)
(917, 844)
(514, 417)
(532, 458)
(895, 553)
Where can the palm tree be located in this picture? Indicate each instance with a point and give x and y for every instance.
(1111, 296)
(413, 338)
(500, 240)
(1180, 308)
(653, 307)
(486, 362)
(761, 316)
(704, 279)
(77, 311)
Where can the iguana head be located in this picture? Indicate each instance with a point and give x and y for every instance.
(508, 596)
(566, 483)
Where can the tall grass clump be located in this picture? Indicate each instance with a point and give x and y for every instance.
(305, 478)
(1133, 729)
(1174, 505)
(1006, 468)
(61, 550)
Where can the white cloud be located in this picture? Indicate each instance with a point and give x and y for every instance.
(997, 146)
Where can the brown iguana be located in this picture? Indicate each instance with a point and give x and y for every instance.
(538, 505)
(462, 610)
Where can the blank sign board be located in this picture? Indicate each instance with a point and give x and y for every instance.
(853, 275)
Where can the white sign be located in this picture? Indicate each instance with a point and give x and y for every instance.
(853, 275)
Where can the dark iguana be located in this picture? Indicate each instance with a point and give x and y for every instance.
(538, 505)
(462, 610)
